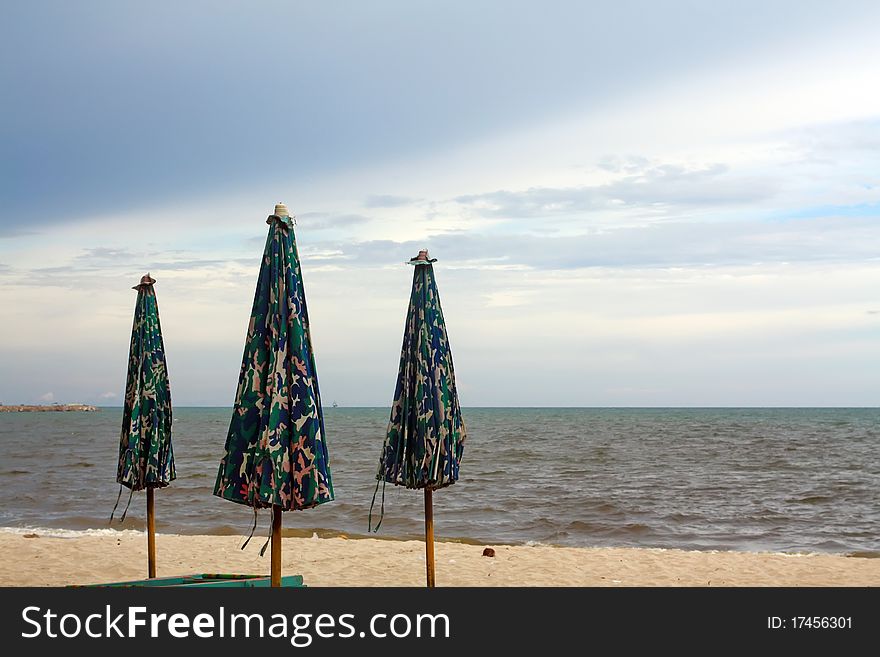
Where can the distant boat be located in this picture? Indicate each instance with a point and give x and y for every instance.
(335, 405)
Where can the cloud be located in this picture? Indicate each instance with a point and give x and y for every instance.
(314, 221)
(665, 244)
(96, 273)
(663, 196)
(370, 252)
(312, 253)
(509, 299)
(103, 253)
(659, 187)
(107, 395)
(9, 230)
(838, 140)
(47, 397)
(849, 210)
(623, 164)
(388, 201)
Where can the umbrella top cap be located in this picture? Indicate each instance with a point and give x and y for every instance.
(282, 215)
(146, 281)
(422, 258)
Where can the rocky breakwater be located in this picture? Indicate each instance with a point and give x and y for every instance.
(24, 408)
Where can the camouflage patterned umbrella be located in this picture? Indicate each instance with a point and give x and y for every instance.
(426, 434)
(276, 453)
(146, 459)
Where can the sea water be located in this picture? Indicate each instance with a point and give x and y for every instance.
(795, 480)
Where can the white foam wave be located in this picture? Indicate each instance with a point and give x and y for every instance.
(52, 532)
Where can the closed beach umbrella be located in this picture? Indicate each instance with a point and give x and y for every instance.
(276, 452)
(146, 459)
(426, 434)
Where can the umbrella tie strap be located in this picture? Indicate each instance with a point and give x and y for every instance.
(266, 544)
(381, 507)
(118, 497)
(253, 529)
(127, 504)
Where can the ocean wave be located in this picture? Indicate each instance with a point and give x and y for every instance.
(53, 532)
(810, 499)
(864, 554)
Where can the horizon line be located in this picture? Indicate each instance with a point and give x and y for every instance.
(230, 406)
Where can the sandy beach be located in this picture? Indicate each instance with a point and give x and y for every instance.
(40, 560)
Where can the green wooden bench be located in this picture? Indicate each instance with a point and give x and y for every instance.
(203, 580)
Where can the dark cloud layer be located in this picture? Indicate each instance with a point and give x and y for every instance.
(129, 104)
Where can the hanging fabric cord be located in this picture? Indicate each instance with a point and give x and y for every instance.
(266, 544)
(253, 529)
(381, 508)
(251, 535)
(127, 504)
(118, 497)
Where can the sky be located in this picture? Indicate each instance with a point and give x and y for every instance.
(631, 203)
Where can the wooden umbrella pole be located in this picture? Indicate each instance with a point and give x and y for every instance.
(429, 537)
(151, 533)
(276, 545)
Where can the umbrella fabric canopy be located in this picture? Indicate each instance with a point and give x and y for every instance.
(146, 459)
(425, 438)
(276, 453)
